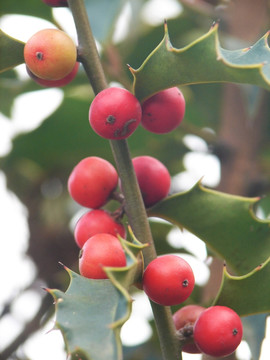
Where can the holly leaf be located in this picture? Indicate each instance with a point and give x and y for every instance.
(202, 61)
(248, 294)
(34, 8)
(91, 312)
(226, 223)
(11, 52)
(84, 314)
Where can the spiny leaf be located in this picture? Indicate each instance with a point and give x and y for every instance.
(91, 312)
(248, 294)
(84, 314)
(11, 52)
(226, 223)
(202, 61)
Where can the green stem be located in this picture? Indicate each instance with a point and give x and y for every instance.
(134, 206)
(87, 50)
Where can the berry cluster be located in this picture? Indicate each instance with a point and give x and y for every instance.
(167, 280)
(115, 113)
(215, 331)
(92, 183)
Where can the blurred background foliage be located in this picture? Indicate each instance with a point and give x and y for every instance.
(233, 120)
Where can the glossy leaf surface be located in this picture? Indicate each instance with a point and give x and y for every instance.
(248, 294)
(202, 61)
(11, 52)
(226, 223)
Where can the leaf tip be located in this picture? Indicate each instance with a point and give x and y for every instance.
(266, 37)
(165, 26)
(215, 24)
(131, 69)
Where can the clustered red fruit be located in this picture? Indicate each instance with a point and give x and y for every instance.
(164, 111)
(98, 251)
(168, 280)
(218, 331)
(92, 181)
(50, 54)
(153, 178)
(184, 319)
(115, 113)
(91, 184)
(96, 222)
(55, 83)
(215, 331)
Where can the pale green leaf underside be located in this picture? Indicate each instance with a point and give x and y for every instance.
(91, 312)
(226, 223)
(84, 314)
(202, 61)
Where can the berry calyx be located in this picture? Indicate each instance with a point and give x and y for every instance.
(56, 3)
(92, 181)
(50, 54)
(164, 111)
(55, 83)
(184, 320)
(115, 113)
(218, 331)
(95, 222)
(168, 280)
(101, 250)
(153, 178)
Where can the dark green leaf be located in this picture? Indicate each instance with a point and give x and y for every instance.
(248, 294)
(225, 222)
(202, 61)
(11, 52)
(33, 8)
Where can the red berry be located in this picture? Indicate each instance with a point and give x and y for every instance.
(99, 251)
(184, 320)
(92, 181)
(218, 331)
(164, 111)
(115, 113)
(50, 54)
(56, 3)
(168, 280)
(55, 83)
(95, 222)
(153, 178)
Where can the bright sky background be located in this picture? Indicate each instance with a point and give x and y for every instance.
(19, 273)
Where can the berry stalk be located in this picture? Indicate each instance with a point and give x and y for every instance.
(134, 206)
